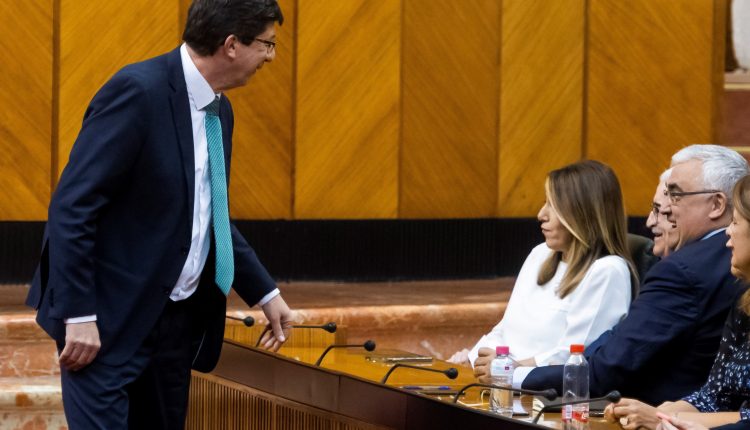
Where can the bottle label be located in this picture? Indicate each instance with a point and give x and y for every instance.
(581, 415)
(567, 413)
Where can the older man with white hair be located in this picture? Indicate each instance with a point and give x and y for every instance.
(664, 349)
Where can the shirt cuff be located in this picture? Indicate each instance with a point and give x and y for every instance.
(83, 319)
(519, 374)
(267, 298)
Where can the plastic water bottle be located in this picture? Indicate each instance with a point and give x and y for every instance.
(576, 387)
(501, 371)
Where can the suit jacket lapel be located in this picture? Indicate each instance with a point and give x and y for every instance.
(183, 123)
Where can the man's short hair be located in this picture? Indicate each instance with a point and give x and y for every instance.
(722, 167)
(209, 22)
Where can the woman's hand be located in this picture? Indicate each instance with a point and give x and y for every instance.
(672, 423)
(460, 357)
(482, 365)
(632, 414)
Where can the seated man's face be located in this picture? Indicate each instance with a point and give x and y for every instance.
(666, 234)
(692, 213)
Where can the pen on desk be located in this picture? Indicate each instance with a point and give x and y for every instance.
(417, 387)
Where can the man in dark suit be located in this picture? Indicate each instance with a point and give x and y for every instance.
(665, 347)
(139, 253)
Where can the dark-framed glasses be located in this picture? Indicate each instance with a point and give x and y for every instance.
(270, 45)
(676, 196)
(655, 208)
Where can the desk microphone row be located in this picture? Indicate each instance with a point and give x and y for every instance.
(329, 327)
(369, 345)
(549, 394)
(249, 321)
(451, 373)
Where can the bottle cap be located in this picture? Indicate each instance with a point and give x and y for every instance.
(502, 350)
(576, 348)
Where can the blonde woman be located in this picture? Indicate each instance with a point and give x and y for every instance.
(575, 285)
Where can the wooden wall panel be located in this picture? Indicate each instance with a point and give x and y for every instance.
(495, 94)
(347, 109)
(451, 78)
(261, 184)
(650, 87)
(99, 38)
(541, 98)
(26, 112)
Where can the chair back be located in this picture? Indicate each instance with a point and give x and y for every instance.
(641, 252)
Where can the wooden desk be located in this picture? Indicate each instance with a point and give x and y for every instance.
(251, 388)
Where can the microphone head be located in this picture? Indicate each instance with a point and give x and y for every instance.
(549, 394)
(330, 327)
(248, 321)
(369, 345)
(613, 396)
(451, 373)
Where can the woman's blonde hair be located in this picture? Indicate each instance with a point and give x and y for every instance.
(741, 200)
(588, 201)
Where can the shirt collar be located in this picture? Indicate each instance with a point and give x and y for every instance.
(713, 233)
(199, 91)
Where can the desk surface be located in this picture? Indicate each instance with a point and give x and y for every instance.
(324, 391)
(355, 362)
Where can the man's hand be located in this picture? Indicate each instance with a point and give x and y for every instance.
(482, 365)
(81, 345)
(280, 319)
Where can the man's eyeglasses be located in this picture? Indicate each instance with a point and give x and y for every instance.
(270, 45)
(655, 208)
(676, 196)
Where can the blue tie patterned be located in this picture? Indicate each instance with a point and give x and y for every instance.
(219, 206)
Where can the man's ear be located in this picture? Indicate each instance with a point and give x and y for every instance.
(230, 46)
(719, 206)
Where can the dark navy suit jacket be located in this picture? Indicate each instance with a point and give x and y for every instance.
(120, 220)
(664, 348)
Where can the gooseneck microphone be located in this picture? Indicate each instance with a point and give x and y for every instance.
(369, 346)
(248, 320)
(550, 394)
(330, 327)
(451, 372)
(612, 396)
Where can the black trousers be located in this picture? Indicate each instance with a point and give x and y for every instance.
(150, 391)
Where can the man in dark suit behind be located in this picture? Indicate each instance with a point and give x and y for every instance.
(139, 253)
(665, 347)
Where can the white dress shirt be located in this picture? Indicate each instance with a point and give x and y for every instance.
(539, 324)
(200, 95)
